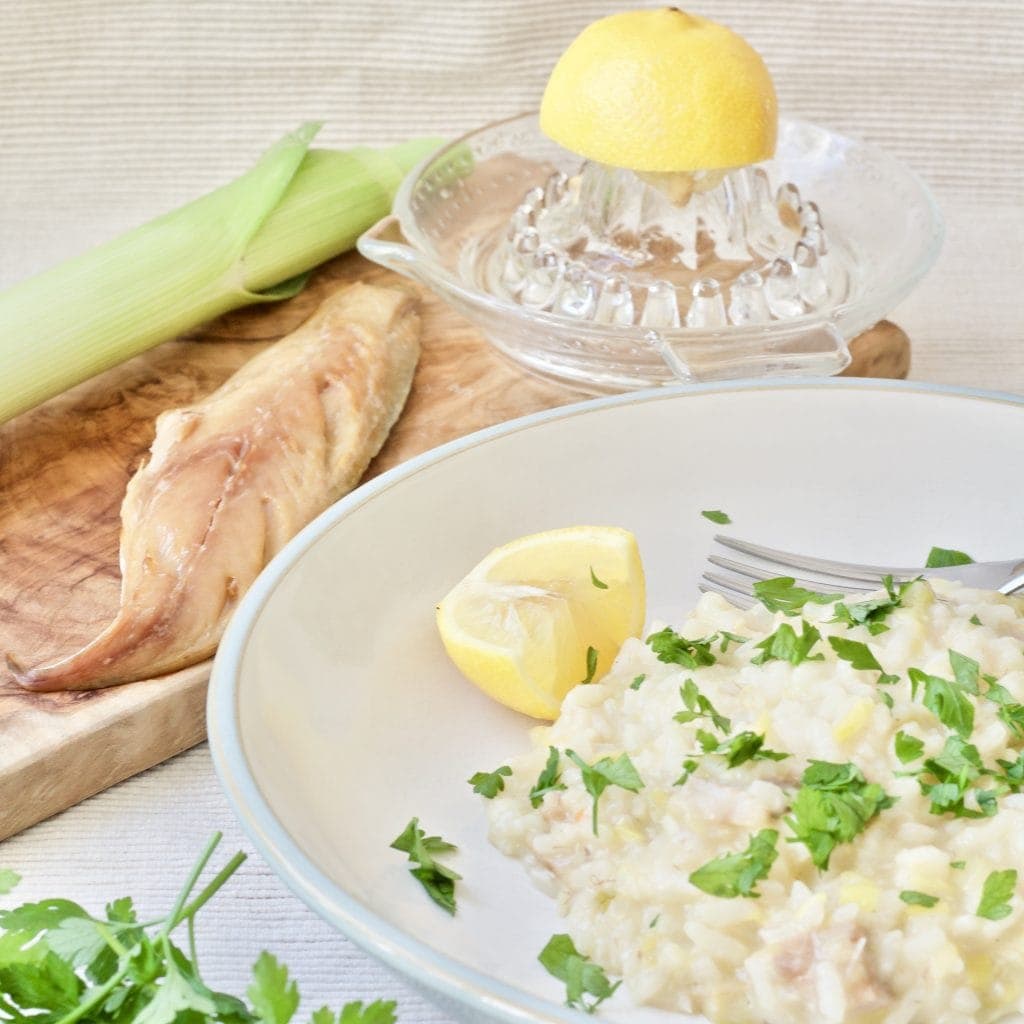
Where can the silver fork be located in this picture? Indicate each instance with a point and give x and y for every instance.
(735, 579)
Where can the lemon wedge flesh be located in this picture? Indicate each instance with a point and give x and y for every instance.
(521, 623)
(661, 91)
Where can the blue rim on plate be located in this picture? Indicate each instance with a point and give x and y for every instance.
(433, 970)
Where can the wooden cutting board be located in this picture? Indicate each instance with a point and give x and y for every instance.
(63, 471)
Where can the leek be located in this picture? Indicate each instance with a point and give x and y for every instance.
(254, 240)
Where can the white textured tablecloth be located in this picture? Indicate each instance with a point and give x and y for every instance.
(112, 111)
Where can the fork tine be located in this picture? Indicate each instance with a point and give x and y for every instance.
(737, 599)
(821, 582)
(787, 560)
(745, 585)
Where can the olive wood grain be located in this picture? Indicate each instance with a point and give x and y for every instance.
(63, 471)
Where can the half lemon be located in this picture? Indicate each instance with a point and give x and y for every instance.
(543, 613)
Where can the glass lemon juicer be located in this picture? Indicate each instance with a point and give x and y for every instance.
(612, 280)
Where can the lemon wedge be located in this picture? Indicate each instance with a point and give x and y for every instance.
(661, 91)
(523, 623)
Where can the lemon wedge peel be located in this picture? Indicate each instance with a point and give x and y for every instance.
(520, 624)
(661, 91)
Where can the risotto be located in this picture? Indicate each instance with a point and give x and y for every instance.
(813, 813)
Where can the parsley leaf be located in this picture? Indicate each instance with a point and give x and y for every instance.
(674, 649)
(8, 880)
(872, 613)
(698, 706)
(947, 700)
(737, 874)
(743, 747)
(730, 638)
(996, 895)
(600, 584)
(380, 1011)
(490, 784)
(562, 960)
(834, 804)
(781, 594)
(1013, 777)
(939, 558)
(597, 777)
(716, 516)
(548, 780)
(637, 680)
(437, 880)
(860, 656)
(918, 899)
(785, 645)
(958, 865)
(908, 748)
(591, 665)
(274, 998)
(974, 620)
(953, 770)
(1011, 713)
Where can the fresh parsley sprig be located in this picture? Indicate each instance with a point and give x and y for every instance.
(785, 644)
(781, 594)
(737, 874)
(674, 649)
(696, 705)
(872, 613)
(490, 784)
(60, 964)
(834, 804)
(437, 880)
(549, 780)
(562, 960)
(605, 772)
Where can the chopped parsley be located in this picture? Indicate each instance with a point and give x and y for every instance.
(717, 516)
(1011, 713)
(438, 880)
(591, 665)
(908, 748)
(958, 865)
(737, 750)
(974, 620)
(834, 804)
(940, 558)
(562, 960)
(872, 613)
(674, 649)
(918, 899)
(549, 779)
(948, 700)
(737, 874)
(730, 638)
(947, 778)
(490, 784)
(600, 584)
(781, 594)
(786, 645)
(637, 681)
(698, 706)
(861, 657)
(607, 771)
(996, 895)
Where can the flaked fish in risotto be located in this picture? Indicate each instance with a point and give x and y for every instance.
(801, 812)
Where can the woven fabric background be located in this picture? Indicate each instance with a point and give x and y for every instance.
(112, 111)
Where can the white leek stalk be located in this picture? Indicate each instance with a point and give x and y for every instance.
(251, 241)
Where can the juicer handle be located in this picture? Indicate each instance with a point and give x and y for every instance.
(385, 244)
(820, 349)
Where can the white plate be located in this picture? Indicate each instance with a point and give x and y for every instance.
(335, 717)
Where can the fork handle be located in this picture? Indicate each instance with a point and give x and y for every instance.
(1013, 584)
